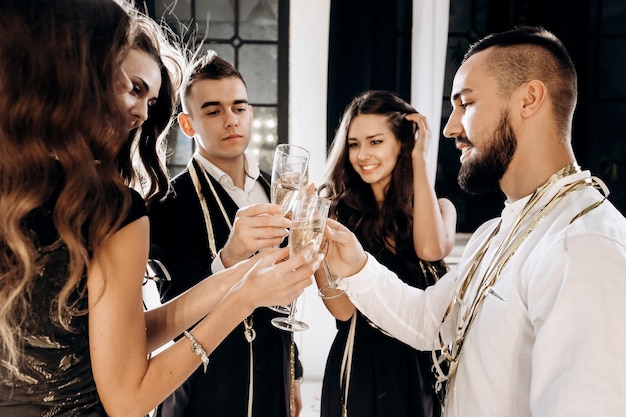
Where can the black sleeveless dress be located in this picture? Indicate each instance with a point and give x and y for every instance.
(388, 378)
(55, 376)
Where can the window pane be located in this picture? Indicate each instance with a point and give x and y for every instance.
(244, 33)
(259, 66)
(220, 15)
(264, 136)
(258, 19)
(224, 51)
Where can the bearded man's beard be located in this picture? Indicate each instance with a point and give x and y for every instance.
(482, 173)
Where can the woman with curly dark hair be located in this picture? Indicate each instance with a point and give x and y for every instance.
(155, 65)
(74, 237)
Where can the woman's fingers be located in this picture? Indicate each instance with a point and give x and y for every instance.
(422, 135)
(278, 279)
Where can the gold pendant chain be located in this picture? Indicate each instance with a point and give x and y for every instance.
(248, 322)
(249, 332)
(292, 376)
(503, 254)
(205, 208)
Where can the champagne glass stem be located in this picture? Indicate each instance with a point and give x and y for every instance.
(292, 310)
(331, 290)
(329, 275)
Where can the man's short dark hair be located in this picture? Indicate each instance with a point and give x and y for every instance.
(207, 67)
(533, 53)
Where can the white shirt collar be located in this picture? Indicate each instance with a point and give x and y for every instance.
(251, 166)
(253, 191)
(513, 209)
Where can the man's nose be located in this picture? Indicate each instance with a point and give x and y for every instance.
(453, 127)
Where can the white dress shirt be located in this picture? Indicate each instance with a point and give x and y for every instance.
(550, 340)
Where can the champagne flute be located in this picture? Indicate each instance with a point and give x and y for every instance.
(307, 229)
(289, 175)
(289, 172)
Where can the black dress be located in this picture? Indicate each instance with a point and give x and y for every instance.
(388, 378)
(179, 240)
(55, 377)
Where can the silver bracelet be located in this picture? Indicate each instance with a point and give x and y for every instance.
(197, 349)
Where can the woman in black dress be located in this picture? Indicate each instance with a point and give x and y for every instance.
(377, 179)
(74, 339)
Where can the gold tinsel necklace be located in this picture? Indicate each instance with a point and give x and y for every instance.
(249, 332)
(450, 353)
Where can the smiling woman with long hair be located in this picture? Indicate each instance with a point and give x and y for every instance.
(377, 179)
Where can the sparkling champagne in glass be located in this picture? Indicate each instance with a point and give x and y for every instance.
(290, 168)
(307, 230)
(289, 175)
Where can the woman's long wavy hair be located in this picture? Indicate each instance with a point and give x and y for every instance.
(142, 160)
(61, 129)
(391, 225)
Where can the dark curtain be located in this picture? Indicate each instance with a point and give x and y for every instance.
(369, 48)
(571, 21)
(593, 33)
(579, 24)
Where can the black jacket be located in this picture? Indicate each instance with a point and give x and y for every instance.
(179, 240)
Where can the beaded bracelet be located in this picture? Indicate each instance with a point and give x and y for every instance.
(197, 349)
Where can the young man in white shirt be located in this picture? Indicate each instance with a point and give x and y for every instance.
(218, 214)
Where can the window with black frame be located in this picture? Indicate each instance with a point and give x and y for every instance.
(253, 36)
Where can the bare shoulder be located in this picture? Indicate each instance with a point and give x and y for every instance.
(446, 205)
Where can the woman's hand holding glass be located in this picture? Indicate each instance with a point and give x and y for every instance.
(344, 252)
(307, 230)
(275, 278)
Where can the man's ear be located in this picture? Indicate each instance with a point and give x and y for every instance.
(184, 121)
(534, 96)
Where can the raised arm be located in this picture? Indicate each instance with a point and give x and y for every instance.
(128, 383)
(434, 220)
(163, 323)
(409, 314)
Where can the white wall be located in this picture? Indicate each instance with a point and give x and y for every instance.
(428, 66)
(308, 78)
